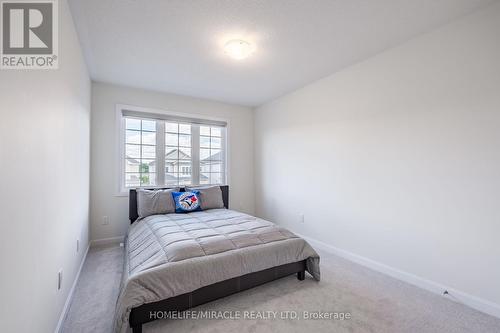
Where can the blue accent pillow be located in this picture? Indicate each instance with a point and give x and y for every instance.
(186, 202)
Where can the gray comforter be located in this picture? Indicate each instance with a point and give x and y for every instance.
(172, 254)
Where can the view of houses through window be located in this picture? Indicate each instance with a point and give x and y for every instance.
(178, 157)
(140, 152)
(193, 153)
(211, 153)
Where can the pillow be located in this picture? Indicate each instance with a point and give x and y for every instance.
(186, 202)
(211, 196)
(151, 202)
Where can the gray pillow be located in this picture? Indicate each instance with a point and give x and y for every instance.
(151, 202)
(211, 196)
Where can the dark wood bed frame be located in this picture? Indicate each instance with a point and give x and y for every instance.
(142, 314)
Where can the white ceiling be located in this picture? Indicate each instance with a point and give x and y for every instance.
(177, 45)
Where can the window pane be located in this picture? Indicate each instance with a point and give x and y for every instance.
(132, 179)
(215, 178)
(133, 124)
(171, 178)
(144, 167)
(172, 153)
(205, 130)
(148, 179)
(204, 154)
(171, 139)
(148, 151)
(216, 131)
(185, 180)
(147, 166)
(185, 173)
(172, 127)
(171, 165)
(216, 142)
(185, 168)
(205, 167)
(133, 137)
(131, 165)
(149, 125)
(215, 154)
(205, 141)
(184, 153)
(185, 128)
(133, 151)
(148, 138)
(140, 152)
(216, 167)
(184, 140)
(178, 153)
(204, 178)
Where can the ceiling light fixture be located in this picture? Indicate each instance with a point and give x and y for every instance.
(238, 49)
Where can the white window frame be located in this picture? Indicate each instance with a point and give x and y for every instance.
(120, 143)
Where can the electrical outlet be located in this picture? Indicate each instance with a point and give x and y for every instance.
(105, 220)
(59, 279)
(301, 218)
(77, 245)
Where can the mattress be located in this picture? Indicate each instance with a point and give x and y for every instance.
(173, 254)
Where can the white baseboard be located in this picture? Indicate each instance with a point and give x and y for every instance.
(107, 241)
(434, 287)
(70, 294)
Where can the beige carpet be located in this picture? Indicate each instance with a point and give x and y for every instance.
(376, 303)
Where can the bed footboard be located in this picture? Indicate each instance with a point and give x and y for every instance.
(142, 314)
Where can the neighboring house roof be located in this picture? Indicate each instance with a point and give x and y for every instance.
(173, 155)
(215, 157)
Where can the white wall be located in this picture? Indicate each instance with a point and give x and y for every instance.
(397, 158)
(104, 171)
(44, 171)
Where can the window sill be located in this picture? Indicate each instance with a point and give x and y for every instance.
(126, 192)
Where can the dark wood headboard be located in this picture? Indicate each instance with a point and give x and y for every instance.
(132, 200)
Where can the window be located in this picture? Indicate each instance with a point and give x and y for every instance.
(140, 152)
(161, 150)
(178, 156)
(211, 161)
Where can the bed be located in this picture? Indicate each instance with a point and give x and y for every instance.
(174, 262)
